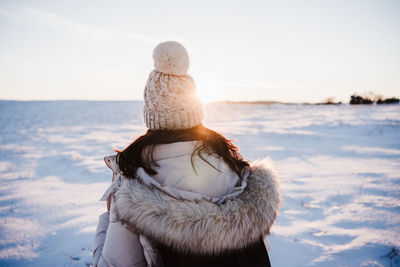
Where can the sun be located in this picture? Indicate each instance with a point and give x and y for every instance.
(208, 90)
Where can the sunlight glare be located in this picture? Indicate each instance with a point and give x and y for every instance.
(208, 89)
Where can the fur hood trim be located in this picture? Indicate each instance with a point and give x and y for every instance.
(202, 227)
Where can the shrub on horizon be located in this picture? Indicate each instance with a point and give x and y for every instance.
(330, 101)
(358, 100)
(392, 100)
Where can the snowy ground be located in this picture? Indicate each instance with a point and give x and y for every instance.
(339, 164)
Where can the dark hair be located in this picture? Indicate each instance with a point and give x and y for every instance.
(132, 157)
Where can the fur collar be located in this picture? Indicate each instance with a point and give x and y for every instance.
(202, 227)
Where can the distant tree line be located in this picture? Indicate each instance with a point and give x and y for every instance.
(370, 98)
(357, 100)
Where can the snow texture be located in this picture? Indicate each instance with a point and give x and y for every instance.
(339, 164)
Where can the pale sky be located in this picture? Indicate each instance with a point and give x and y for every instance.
(291, 51)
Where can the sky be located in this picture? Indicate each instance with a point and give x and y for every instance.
(289, 51)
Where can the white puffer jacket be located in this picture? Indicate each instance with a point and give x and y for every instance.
(115, 245)
(203, 208)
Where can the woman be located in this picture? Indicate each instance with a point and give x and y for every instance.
(182, 195)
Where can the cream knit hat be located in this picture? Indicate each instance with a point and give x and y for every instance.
(170, 100)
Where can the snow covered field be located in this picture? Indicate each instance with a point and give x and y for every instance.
(340, 168)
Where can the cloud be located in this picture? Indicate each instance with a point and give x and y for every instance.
(47, 19)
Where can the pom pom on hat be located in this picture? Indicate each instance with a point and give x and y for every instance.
(171, 58)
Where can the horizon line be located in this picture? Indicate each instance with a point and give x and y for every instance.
(270, 102)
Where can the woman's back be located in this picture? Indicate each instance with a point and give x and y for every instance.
(254, 255)
(183, 195)
(177, 167)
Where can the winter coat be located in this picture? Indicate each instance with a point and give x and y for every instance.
(185, 216)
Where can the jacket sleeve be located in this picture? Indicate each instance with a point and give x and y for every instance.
(100, 237)
(115, 245)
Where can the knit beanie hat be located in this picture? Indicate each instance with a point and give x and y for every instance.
(170, 101)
